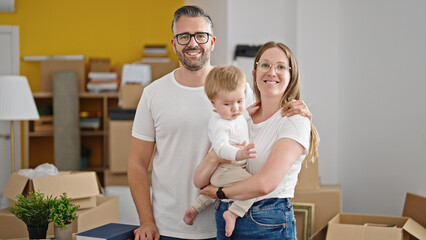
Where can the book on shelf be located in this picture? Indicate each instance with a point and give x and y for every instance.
(57, 57)
(103, 86)
(103, 76)
(155, 50)
(136, 73)
(155, 59)
(110, 231)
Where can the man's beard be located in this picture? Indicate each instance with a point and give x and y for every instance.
(188, 64)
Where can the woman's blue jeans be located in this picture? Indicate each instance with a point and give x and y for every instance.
(266, 219)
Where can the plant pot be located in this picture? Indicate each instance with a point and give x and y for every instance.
(63, 234)
(37, 232)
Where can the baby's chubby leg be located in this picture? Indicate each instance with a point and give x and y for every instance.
(190, 214)
(230, 219)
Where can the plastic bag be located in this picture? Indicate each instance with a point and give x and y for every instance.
(42, 170)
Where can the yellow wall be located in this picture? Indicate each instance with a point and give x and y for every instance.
(116, 29)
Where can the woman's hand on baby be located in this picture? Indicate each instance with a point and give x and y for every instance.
(296, 107)
(209, 191)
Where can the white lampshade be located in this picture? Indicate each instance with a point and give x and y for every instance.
(16, 99)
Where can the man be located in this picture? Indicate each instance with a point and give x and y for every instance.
(172, 115)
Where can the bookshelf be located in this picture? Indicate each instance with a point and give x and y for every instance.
(39, 145)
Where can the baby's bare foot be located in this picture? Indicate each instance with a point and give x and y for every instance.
(230, 219)
(190, 214)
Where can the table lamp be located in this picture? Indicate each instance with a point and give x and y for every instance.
(16, 104)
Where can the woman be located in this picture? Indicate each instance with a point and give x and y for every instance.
(282, 144)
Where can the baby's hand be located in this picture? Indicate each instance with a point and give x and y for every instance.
(253, 108)
(246, 152)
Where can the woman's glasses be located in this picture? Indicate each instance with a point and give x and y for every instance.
(265, 66)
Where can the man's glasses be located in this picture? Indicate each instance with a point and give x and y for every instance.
(185, 38)
(265, 66)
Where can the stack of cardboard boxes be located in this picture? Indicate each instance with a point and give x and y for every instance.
(412, 224)
(121, 122)
(314, 204)
(82, 187)
(319, 216)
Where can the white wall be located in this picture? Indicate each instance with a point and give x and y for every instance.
(317, 53)
(363, 77)
(218, 12)
(382, 80)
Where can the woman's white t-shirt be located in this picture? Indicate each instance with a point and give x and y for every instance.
(266, 134)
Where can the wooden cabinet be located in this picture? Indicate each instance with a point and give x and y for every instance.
(39, 145)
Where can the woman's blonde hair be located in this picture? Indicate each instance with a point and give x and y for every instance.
(224, 79)
(291, 93)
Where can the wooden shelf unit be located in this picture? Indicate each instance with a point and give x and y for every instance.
(39, 145)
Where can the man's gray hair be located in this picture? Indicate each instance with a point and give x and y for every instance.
(191, 11)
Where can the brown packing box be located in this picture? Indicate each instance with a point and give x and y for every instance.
(99, 65)
(106, 211)
(49, 67)
(159, 69)
(119, 144)
(130, 95)
(369, 227)
(120, 179)
(81, 187)
(115, 179)
(415, 208)
(373, 227)
(327, 201)
(308, 176)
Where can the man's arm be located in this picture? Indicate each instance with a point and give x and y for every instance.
(296, 107)
(139, 158)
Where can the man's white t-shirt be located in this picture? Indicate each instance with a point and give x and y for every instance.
(176, 118)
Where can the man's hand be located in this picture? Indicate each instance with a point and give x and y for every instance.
(147, 232)
(296, 107)
(209, 191)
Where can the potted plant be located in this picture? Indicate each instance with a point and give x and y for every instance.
(33, 210)
(62, 213)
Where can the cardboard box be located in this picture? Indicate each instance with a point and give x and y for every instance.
(327, 200)
(119, 144)
(368, 227)
(44, 124)
(49, 67)
(81, 187)
(130, 95)
(372, 227)
(120, 179)
(308, 176)
(106, 211)
(99, 65)
(115, 179)
(415, 208)
(159, 69)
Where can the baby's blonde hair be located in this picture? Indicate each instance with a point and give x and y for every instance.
(224, 79)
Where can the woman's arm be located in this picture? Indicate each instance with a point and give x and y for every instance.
(283, 155)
